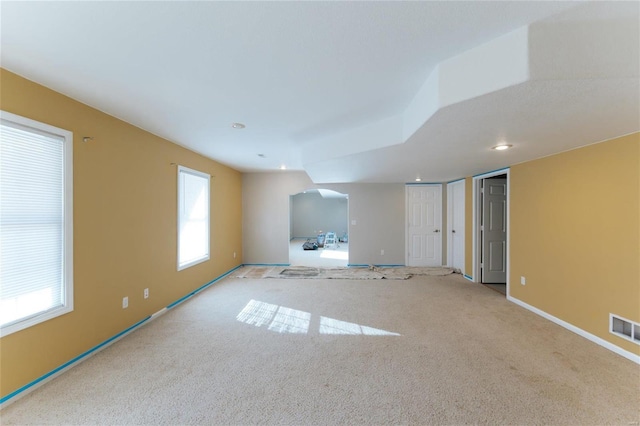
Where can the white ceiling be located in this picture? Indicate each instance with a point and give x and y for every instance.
(348, 91)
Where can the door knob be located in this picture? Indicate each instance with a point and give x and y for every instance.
(437, 230)
(453, 230)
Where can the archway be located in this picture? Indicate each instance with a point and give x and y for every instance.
(313, 214)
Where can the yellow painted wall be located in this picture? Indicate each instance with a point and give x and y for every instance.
(575, 235)
(125, 234)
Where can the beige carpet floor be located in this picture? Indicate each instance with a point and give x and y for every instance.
(427, 350)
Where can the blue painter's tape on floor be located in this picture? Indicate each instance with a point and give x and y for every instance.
(74, 360)
(106, 342)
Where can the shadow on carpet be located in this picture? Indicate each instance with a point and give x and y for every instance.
(370, 273)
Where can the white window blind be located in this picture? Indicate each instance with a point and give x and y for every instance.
(193, 217)
(35, 263)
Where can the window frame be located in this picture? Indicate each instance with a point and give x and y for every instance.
(27, 124)
(187, 170)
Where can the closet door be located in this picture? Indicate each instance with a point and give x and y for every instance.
(424, 225)
(455, 222)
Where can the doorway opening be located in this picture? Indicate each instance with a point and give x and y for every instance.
(318, 228)
(491, 230)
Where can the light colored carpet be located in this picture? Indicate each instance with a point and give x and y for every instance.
(309, 272)
(428, 350)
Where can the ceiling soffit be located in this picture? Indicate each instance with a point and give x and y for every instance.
(555, 50)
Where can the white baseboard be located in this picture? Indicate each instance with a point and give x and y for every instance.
(595, 339)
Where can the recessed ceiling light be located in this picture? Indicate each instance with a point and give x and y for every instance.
(283, 167)
(502, 147)
(238, 125)
(418, 179)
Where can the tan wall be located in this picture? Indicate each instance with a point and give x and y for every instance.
(124, 230)
(575, 235)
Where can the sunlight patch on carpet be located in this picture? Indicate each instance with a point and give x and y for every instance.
(334, 326)
(292, 321)
(289, 320)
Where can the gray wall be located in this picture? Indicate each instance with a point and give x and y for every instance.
(376, 218)
(311, 213)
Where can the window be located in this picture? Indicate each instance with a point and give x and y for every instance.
(193, 217)
(36, 223)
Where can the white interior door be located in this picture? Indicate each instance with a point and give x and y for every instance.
(424, 223)
(494, 231)
(455, 220)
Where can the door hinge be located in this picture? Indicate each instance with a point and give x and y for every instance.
(482, 265)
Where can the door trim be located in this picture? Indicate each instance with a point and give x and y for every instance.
(477, 208)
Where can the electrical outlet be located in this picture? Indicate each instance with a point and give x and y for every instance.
(146, 293)
(382, 252)
(523, 281)
(125, 302)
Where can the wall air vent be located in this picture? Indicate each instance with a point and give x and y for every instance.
(624, 328)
